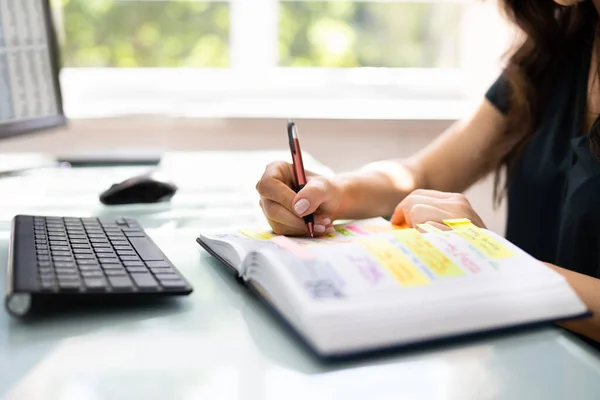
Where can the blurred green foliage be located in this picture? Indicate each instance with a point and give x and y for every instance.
(138, 33)
(368, 34)
(184, 33)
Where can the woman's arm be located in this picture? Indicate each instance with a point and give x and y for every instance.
(459, 157)
(588, 289)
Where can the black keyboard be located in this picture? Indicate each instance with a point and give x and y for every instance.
(52, 257)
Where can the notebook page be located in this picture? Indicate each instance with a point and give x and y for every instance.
(398, 263)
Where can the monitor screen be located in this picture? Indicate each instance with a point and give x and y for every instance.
(30, 97)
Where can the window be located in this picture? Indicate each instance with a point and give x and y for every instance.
(275, 57)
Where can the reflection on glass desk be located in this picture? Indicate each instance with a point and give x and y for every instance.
(221, 343)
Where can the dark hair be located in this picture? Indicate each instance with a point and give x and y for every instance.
(548, 31)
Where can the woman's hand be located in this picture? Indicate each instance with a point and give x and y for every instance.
(285, 208)
(431, 206)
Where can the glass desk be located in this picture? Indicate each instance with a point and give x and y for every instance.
(220, 342)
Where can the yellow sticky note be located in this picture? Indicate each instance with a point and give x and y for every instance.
(395, 262)
(343, 231)
(431, 256)
(382, 228)
(255, 234)
(479, 238)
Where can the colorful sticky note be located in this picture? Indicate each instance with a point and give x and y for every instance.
(356, 229)
(256, 234)
(429, 255)
(395, 262)
(343, 231)
(292, 246)
(479, 238)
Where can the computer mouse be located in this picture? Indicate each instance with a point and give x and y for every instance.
(147, 188)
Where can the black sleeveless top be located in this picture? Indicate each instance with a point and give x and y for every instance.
(554, 195)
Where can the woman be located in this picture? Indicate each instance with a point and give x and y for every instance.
(538, 123)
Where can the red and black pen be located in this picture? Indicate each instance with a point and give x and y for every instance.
(299, 173)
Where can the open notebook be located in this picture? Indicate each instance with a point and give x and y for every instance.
(371, 286)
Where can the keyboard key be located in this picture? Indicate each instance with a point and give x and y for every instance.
(83, 251)
(43, 258)
(78, 241)
(80, 246)
(130, 258)
(158, 264)
(44, 264)
(45, 271)
(133, 263)
(145, 249)
(62, 259)
(161, 270)
(95, 284)
(42, 252)
(85, 256)
(166, 275)
(98, 240)
(104, 250)
(120, 283)
(126, 253)
(115, 272)
(64, 264)
(144, 281)
(70, 285)
(135, 270)
(97, 273)
(101, 245)
(77, 237)
(124, 248)
(107, 267)
(60, 248)
(87, 261)
(173, 284)
(106, 255)
(66, 275)
(47, 285)
(104, 261)
(134, 234)
(59, 243)
(61, 253)
(89, 267)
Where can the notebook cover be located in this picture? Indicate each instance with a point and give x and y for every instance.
(226, 263)
(387, 350)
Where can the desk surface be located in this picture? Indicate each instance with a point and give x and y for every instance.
(220, 342)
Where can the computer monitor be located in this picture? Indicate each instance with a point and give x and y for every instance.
(30, 95)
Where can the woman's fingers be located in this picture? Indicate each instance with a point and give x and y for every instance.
(423, 206)
(283, 221)
(423, 213)
(435, 225)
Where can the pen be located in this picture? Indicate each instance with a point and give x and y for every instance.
(299, 173)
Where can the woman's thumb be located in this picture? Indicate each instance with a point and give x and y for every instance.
(311, 196)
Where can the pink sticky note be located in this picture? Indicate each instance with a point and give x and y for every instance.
(293, 247)
(356, 229)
